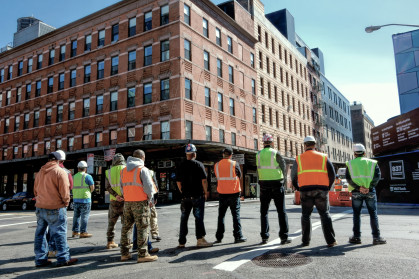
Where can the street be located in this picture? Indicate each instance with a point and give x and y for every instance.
(399, 258)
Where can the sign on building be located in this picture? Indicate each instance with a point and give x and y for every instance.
(239, 158)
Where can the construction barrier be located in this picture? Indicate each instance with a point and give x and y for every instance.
(297, 200)
(340, 198)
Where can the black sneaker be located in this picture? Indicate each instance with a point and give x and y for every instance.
(46, 263)
(264, 241)
(240, 239)
(355, 240)
(218, 241)
(304, 244)
(379, 240)
(285, 241)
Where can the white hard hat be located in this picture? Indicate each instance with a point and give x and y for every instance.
(267, 138)
(82, 164)
(359, 148)
(59, 155)
(309, 139)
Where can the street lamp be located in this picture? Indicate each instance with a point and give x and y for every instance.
(370, 29)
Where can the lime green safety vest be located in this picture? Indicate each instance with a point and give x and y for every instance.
(362, 171)
(268, 167)
(113, 176)
(80, 188)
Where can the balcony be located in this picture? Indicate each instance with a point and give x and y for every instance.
(318, 105)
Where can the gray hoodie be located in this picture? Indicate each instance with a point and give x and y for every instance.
(145, 176)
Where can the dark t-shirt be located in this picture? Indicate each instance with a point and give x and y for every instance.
(190, 173)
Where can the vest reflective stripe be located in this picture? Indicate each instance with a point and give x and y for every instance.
(268, 167)
(132, 190)
(113, 175)
(312, 169)
(80, 188)
(228, 182)
(362, 171)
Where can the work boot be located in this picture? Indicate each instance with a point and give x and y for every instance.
(355, 240)
(156, 237)
(285, 241)
(240, 239)
(67, 263)
(153, 250)
(52, 254)
(75, 234)
(147, 259)
(379, 240)
(264, 241)
(181, 246)
(330, 245)
(85, 235)
(111, 245)
(203, 243)
(126, 257)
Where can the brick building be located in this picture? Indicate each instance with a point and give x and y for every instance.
(362, 125)
(138, 74)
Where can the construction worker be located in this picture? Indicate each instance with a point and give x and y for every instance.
(138, 190)
(116, 206)
(192, 183)
(228, 175)
(313, 175)
(82, 198)
(154, 227)
(363, 175)
(271, 170)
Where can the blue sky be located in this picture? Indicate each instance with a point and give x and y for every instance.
(360, 65)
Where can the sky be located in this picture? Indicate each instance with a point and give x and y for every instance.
(360, 65)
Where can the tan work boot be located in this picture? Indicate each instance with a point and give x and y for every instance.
(147, 259)
(154, 250)
(126, 258)
(203, 243)
(75, 234)
(85, 235)
(111, 245)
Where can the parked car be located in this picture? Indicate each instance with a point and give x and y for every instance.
(22, 200)
(1, 200)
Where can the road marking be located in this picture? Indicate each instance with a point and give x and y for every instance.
(9, 225)
(1, 219)
(234, 263)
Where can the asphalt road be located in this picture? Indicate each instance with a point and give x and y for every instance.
(399, 258)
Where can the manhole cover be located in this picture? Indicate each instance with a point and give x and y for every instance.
(281, 260)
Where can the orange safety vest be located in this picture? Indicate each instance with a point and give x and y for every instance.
(132, 187)
(228, 182)
(312, 169)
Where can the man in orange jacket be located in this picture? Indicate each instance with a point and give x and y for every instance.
(228, 175)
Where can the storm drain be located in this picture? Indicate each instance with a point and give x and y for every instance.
(281, 260)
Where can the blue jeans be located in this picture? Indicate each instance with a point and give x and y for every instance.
(226, 201)
(371, 202)
(198, 206)
(51, 241)
(81, 212)
(134, 240)
(56, 221)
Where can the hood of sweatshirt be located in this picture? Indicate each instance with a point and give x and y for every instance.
(50, 166)
(133, 162)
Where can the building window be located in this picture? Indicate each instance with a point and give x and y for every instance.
(100, 69)
(50, 87)
(206, 60)
(2, 75)
(39, 61)
(73, 48)
(221, 135)
(73, 78)
(219, 67)
(131, 134)
(17, 123)
(86, 107)
(148, 54)
(207, 97)
(262, 86)
(253, 87)
(20, 68)
(29, 68)
(113, 138)
(188, 129)
(8, 97)
(220, 102)
(99, 104)
(132, 26)
(252, 60)
(218, 36)
(10, 72)
(98, 139)
(187, 14)
(26, 121)
(18, 94)
(114, 65)
(255, 144)
(205, 27)
(114, 101)
(87, 72)
(188, 89)
(101, 38)
(260, 60)
(165, 130)
(164, 89)
(187, 47)
(270, 117)
(48, 116)
(147, 132)
(232, 111)
(208, 133)
(62, 53)
(58, 144)
(263, 114)
(51, 56)
(230, 74)
(25, 150)
(87, 43)
(148, 17)
(254, 115)
(36, 119)
(28, 92)
(115, 33)
(85, 139)
(148, 89)
(233, 139)
(6, 125)
(164, 50)
(132, 56)
(71, 110)
(60, 111)
(229, 44)
(61, 81)
(70, 143)
(47, 147)
(131, 97)
(164, 15)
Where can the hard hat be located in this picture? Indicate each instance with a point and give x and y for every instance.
(309, 139)
(190, 148)
(58, 155)
(267, 138)
(82, 164)
(359, 148)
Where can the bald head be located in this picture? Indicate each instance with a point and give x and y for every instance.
(139, 154)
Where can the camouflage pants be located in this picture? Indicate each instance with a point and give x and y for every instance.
(138, 213)
(116, 210)
(154, 227)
